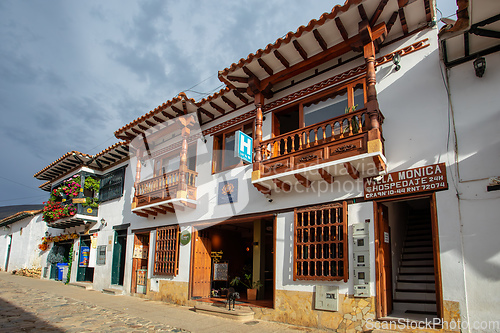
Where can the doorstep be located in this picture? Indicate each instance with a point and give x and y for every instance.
(219, 311)
(87, 286)
(111, 291)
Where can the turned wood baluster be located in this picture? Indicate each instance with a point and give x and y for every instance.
(183, 160)
(259, 100)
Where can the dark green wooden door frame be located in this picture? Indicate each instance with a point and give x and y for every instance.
(119, 250)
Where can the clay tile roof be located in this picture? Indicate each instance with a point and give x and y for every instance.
(111, 155)
(40, 174)
(288, 37)
(181, 97)
(214, 96)
(45, 186)
(18, 216)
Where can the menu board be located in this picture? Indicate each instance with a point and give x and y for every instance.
(220, 271)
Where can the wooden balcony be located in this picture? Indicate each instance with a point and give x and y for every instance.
(84, 215)
(335, 147)
(164, 193)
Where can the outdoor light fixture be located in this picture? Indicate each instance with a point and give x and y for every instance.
(103, 223)
(480, 66)
(396, 58)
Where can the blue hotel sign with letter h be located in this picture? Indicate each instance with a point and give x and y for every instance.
(243, 146)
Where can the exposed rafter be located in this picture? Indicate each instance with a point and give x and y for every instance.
(282, 185)
(240, 96)
(141, 214)
(169, 116)
(342, 30)
(265, 66)
(281, 58)
(320, 39)
(391, 21)
(362, 13)
(402, 19)
(351, 170)
(262, 189)
(217, 107)
(237, 79)
(150, 212)
(229, 102)
(158, 120)
(378, 12)
(177, 110)
(300, 49)
(207, 113)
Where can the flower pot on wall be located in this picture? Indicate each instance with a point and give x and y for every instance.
(251, 294)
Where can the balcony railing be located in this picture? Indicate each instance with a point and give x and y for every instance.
(328, 140)
(164, 187)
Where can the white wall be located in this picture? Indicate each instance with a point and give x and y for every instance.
(477, 119)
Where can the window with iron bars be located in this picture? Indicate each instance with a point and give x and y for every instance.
(167, 251)
(320, 243)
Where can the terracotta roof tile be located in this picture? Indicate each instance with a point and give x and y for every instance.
(18, 216)
(71, 153)
(288, 37)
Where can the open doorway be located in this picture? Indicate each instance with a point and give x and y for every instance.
(84, 273)
(237, 250)
(407, 250)
(140, 263)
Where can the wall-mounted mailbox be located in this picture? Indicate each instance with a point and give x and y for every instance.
(360, 243)
(362, 290)
(361, 275)
(327, 298)
(360, 229)
(361, 259)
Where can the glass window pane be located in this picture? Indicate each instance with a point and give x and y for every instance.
(326, 109)
(359, 97)
(229, 143)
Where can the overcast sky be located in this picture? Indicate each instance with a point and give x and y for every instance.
(73, 72)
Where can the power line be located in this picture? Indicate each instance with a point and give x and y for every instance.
(37, 196)
(13, 181)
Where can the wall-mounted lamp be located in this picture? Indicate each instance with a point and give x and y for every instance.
(103, 223)
(6, 227)
(480, 66)
(396, 59)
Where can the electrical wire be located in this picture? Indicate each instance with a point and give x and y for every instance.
(13, 181)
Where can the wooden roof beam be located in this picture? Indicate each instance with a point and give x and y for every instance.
(378, 12)
(391, 21)
(265, 66)
(136, 131)
(150, 123)
(320, 39)
(99, 164)
(362, 13)
(342, 30)
(142, 127)
(115, 156)
(237, 79)
(121, 152)
(177, 110)
(327, 177)
(281, 58)
(158, 119)
(229, 102)
(218, 108)
(112, 160)
(240, 96)
(351, 170)
(206, 113)
(300, 49)
(402, 19)
(332, 53)
(184, 107)
(169, 116)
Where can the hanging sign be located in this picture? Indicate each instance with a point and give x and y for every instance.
(227, 192)
(243, 146)
(411, 181)
(79, 200)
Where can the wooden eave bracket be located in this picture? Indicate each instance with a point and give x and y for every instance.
(282, 185)
(351, 170)
(326, 176)
(261, 188)
(303, 180)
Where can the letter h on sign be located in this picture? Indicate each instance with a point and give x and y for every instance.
(243, 146)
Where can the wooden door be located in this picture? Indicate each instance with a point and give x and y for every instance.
(118, 265)
(202, 264)
(385, 261)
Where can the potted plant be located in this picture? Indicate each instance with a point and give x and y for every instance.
(252, 286)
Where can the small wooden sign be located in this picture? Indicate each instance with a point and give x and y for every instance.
(78, 200)
(220, 272)
(423, 179)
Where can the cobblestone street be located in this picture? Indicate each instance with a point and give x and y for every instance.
(34, 305)
(36, 310)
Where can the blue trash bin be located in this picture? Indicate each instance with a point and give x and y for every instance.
(60, 270)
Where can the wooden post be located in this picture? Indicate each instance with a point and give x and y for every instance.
(138, 154)
(182, 187)
(374, 136)
(257, 164)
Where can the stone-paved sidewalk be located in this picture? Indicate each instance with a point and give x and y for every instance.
(37, 310)
(34, 305)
